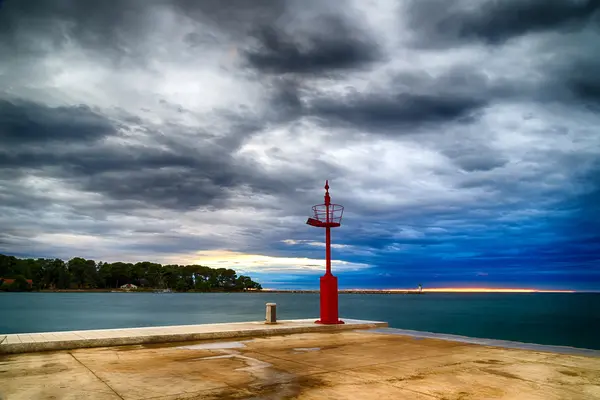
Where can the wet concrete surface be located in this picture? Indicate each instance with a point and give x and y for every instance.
(337, 365)
(70, 340)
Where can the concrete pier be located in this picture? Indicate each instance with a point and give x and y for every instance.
(331, 363)
(52, 341)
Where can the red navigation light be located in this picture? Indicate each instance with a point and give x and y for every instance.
(328, 215)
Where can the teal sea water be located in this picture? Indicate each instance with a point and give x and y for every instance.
(567, 319)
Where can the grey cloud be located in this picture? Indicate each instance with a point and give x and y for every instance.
(401, 110)
(568, 68)
(171, 179)
(285, 99)
(28, 122)
(411, 100)
(171, 187)
(473, 155)
(583, 80)
(196, 39)
(181, 176)
(123, 32)
(330, 44)
(35, 26)
(498, 21)
(164, 244)
(117, 28)
(234, 16)
(439, 22)
(175, 169)
(480, 162)
(564, 59)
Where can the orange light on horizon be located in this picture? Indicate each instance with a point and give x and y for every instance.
(495, 290)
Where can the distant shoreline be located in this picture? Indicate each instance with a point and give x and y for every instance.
(118, 290)
(248, 291)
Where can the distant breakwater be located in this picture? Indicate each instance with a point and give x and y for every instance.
(346, 291)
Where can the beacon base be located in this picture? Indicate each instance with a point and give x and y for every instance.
(329, 301)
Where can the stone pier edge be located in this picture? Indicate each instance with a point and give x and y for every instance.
(281, 328)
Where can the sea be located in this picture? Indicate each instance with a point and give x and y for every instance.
(564, 319)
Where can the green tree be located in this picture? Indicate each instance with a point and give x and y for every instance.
(8, 266)
(105, 275)
(37, 273)
(121, 273)
(64, 279)
(77, 269)
(153, 274)
(20, 284)
(243, 282)
(81, 273)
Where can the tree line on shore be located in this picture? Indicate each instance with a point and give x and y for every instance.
(79, 273)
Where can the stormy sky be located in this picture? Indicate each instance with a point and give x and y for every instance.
(463, 137)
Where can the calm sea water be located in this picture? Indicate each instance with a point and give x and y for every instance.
(545, 318)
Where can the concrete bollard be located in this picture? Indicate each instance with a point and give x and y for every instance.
(271, 313)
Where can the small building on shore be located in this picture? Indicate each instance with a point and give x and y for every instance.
(10, 281)
(129, 286)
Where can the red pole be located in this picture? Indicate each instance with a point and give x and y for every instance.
(327, 231)
(328, 251)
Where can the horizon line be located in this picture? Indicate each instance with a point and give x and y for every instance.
(454, 290)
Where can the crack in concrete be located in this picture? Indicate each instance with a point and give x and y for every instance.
(97, 377)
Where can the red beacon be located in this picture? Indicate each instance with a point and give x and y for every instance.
(328, 215)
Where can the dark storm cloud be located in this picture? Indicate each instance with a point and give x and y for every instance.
(118, 30)
(28, 122)
(439, 22)
(271, 40)
(179, 177)
(568, 72)
(233, 16)
(411, 100)
(480, 162)
(123, 32)
(474, 155)
(387, 112)
(176, 178)
(330, 44)
(112, 27)
(177, 169)
(582, 78)
(285, 99)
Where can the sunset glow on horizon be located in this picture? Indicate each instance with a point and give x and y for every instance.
(495, 290)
